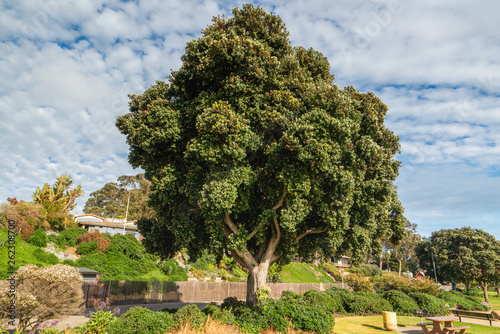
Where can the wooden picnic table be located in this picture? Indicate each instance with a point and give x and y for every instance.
(438, 329)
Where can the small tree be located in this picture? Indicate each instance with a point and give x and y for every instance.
(253, 150)
(44, 293)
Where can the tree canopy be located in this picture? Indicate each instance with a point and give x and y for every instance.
(58, 200)
(462, 256)
(252, 149)
(111, 200)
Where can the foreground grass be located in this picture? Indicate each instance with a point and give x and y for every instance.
(374, 324)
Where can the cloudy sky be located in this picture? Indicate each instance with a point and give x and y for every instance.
(66, 67)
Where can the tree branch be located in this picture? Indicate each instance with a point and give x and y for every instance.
(254, 231)
(230, 223)
(312, 231)
(280, 202)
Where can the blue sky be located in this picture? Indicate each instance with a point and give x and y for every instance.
(66, 68)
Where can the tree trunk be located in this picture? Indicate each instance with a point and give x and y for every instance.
(256, 280)
(380, 266)
(485, 292)
(498, 291)
(400, 265)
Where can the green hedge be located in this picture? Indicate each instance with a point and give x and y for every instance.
(460, 301)
(401, 303)
(433, 305)
(139, 320)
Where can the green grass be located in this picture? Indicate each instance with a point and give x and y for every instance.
(494, 300)
(24, 254)
(374, 325)
(304, 273)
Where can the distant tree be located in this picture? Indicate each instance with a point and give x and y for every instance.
(404, 250)
(111, 200)
(463, 255)
(254, 150)
(58, 200)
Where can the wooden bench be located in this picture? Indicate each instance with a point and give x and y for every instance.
(474, 315)
(453, 330)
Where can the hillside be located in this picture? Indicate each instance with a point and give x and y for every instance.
(125, 258)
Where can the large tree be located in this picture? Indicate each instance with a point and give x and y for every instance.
(253, 150)
(111, 200)
(464, 255)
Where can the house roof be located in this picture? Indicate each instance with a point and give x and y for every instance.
(128, 225)
(84, 270)
(89, 215)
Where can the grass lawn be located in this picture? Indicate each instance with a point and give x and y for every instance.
(375, 324)
(494, 300)
(296, 272)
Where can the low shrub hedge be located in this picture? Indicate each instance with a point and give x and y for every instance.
(38, 238)
(433, 305)
(460, 301)
(401, 303)
(139, 320)
(43, 256)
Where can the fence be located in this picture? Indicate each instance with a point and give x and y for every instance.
(138, 292)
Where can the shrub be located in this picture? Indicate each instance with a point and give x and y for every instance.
(324, 300)
(139, 320)
(102, 243)
(433, 305)
(390, 282)
(68, 236)
(359, 283)
(100, 323)
(43, 256)
(86, 247)
(401, 303)
(189, 314)
(216, 312)
(474, 292)
(38, 238)
(174, 271)
(423, 286)
(51, 292)
(364, 303)
(460, 301)
(368, 270)
(344, 296)
(281, 314)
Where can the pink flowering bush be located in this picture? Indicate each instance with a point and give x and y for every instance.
(44, 293)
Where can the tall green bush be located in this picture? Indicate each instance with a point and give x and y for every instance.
(401, 303)
(364, 303)
(460, 301)
(38, 238)
(139, 320)
(433, 305)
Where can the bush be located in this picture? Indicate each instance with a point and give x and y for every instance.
(364, 303)
(324, 300)
(368, 270)
(216, 312)
(433, 305)
(189, 314)
(140, 320)
(100, 323)
(45, 257)
(174, 271)
(52, 292)
(423, 286)
(101, 242)
(68, 236)
(86, 247)
(389, 282)
(344, 296)
(460, 301)
(401, 303)
(474, 292)
(359, 283)
(38, 238)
